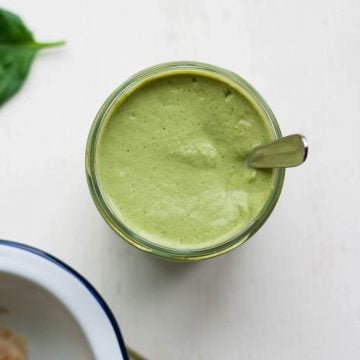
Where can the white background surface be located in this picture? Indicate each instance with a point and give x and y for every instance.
(291, 292)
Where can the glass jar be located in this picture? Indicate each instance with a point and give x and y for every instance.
(116, 223)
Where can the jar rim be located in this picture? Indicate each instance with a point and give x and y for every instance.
(116, 224)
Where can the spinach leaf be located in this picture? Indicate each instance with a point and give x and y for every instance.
(17, 51)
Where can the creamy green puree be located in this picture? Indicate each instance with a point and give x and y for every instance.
(170, 160)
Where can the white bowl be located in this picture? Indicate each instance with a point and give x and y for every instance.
(54, 309)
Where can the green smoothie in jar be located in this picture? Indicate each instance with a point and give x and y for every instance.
(169, 161)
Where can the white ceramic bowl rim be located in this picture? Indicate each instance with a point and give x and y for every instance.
(49, 272)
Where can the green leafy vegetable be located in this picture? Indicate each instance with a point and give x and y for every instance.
(17, 51)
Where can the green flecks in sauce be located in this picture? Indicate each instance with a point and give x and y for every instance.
(170, 161)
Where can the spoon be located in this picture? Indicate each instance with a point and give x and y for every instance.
(133, 355)
(288, 151)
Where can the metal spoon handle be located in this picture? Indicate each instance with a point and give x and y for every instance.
(288, 151)
(133, 355)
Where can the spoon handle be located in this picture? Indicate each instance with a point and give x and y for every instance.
(133, 355)
(288, 151)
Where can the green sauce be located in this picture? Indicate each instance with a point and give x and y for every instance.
(170, 160)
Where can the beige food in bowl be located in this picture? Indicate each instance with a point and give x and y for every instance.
(12, 347)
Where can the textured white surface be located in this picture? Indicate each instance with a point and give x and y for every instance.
(291, 292)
